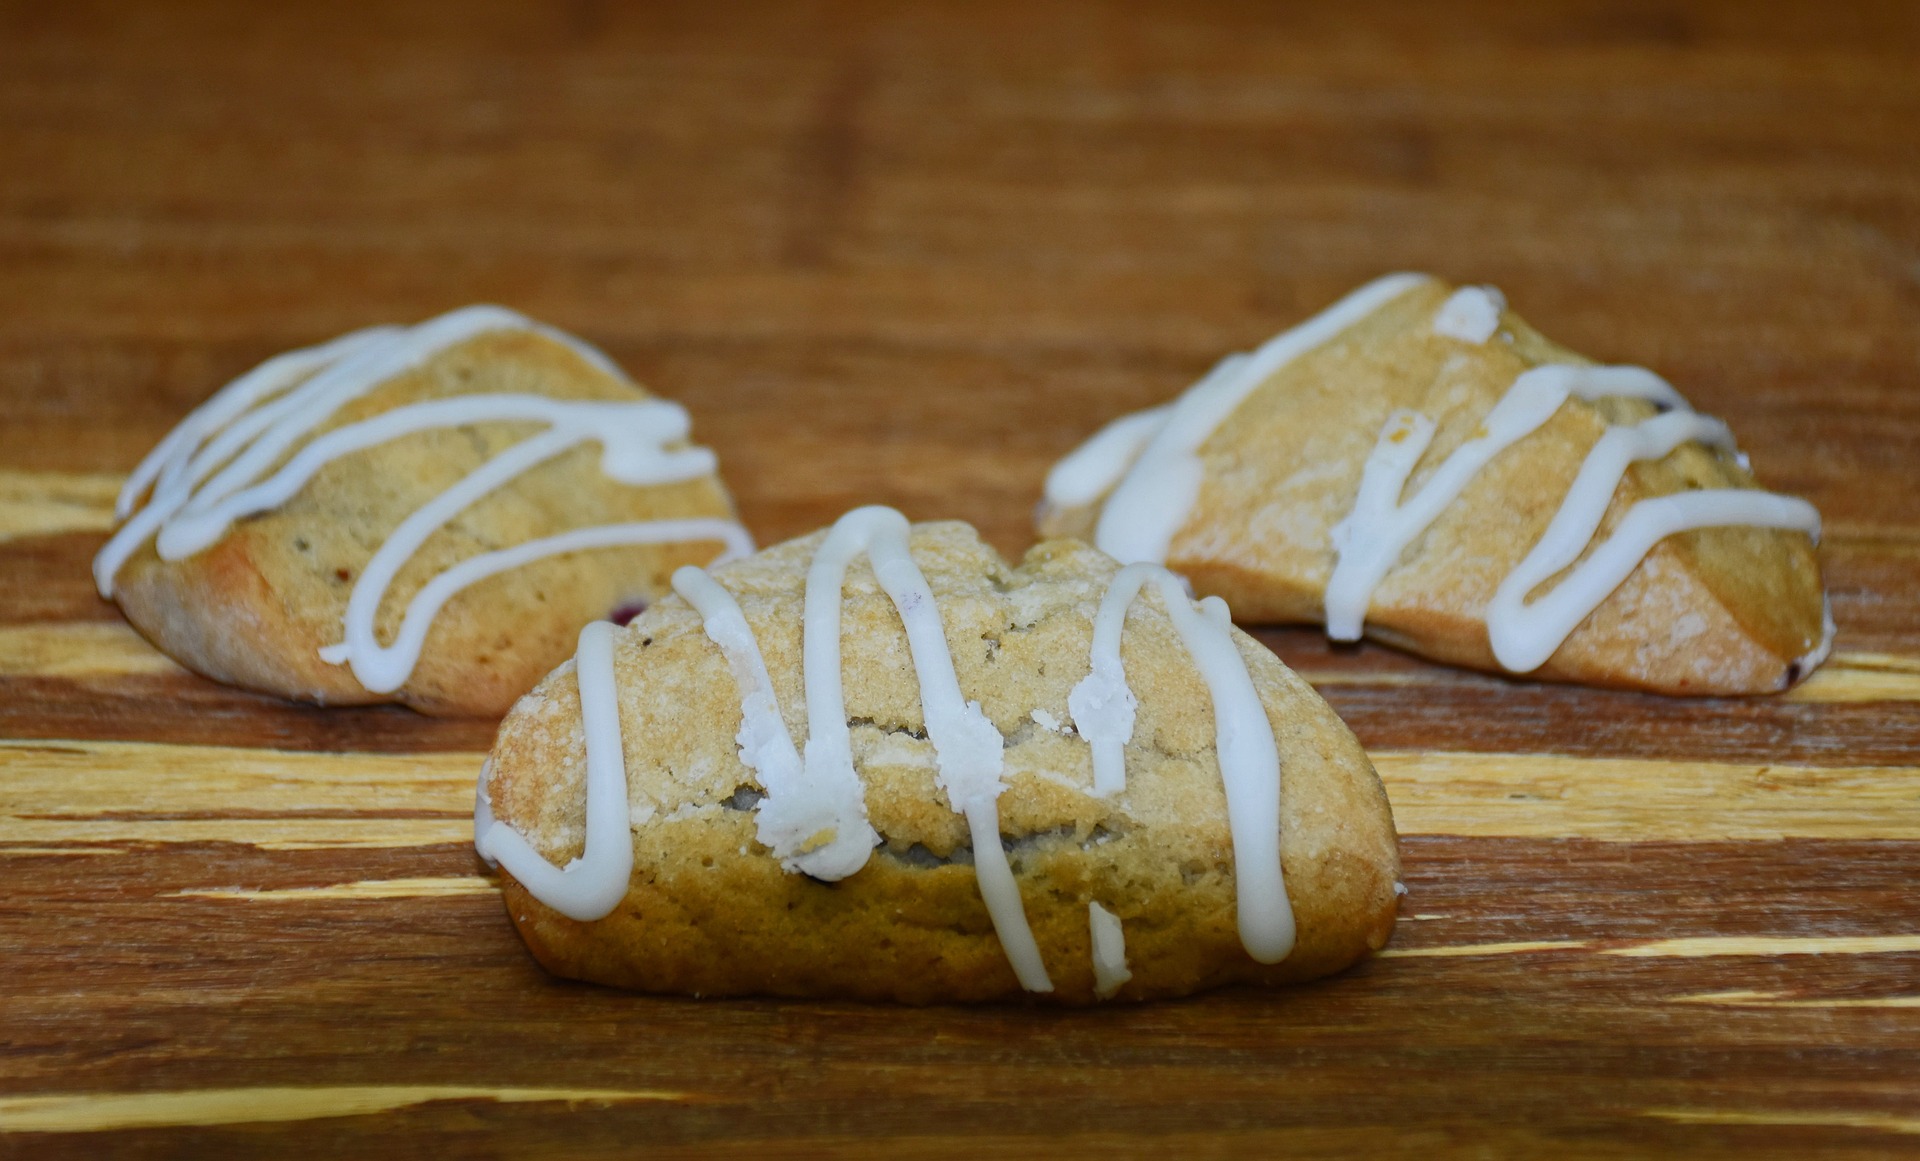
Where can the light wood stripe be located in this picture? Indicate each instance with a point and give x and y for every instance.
(119, 792)
(79, 649)
(364, 889)
(1686, 948)
(45, 503)
(57, 793)
(1360, 678)
(39, 836)
(1851, 677)
(101, 1112)
(1778, 1000)
(1854, 533)
(1721, 945)
(1628, 800)
(1846, 677)
(1479, 949)
(1691, 948)
(92, 779)
(1782, 1117)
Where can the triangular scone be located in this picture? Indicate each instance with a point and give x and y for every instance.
(478, 457)
(717, 862)
(1251, 485)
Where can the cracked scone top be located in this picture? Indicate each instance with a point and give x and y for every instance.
(418, 514)
(1417, 463)
(658, 831)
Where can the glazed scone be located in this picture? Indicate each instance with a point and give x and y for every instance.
(1419, 464)
(717, 861)
(298, 533)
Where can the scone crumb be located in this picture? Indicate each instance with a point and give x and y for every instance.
(1047, 721)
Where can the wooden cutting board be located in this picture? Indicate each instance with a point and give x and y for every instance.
(911, 255)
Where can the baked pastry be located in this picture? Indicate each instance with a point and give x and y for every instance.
(1062, 779)
(1419, 464)
(424, 515)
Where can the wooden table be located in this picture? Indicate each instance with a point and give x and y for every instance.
(911, 255)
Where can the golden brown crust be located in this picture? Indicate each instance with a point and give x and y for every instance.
(254, 609)
(1715, 611)
(710, 912)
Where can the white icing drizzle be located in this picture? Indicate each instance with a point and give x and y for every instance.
(1524, 635)
(172, 455)
(483, 811)
(1109, 951)
(1243, 740)
(214, 469)
(1101, 704)
(1470, 314)
(814, 819)
(967, 748)
(591, 886)
(813, 816)
(1370, 540)
(1096, 465)
(1158, 491)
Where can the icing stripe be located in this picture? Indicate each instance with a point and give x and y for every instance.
(1470, 314)
(634, 435)
(814, 815)
(384, 668)
(967, 747)
(1243, 741)
(1109, 951)
(591, 886)
(214, 469)
(1379, 528)
(253, 441)
(1370, 541)
(1157, 493)
(1525, 635)
(1089, 470)
(818, 828)
(1101, 704)
(268, 379)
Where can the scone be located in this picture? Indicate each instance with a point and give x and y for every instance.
(878, 763)
(424, 515)
(1419, 464)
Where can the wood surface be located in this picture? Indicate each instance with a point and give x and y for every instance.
(911, 255)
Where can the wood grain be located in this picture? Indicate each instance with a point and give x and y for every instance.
(910, 254)
(104, 1112)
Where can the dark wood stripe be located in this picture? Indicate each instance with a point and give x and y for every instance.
(1492, 716)
(189, 710)
(50, 578)
(1380, 1045)
(1461, 890)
